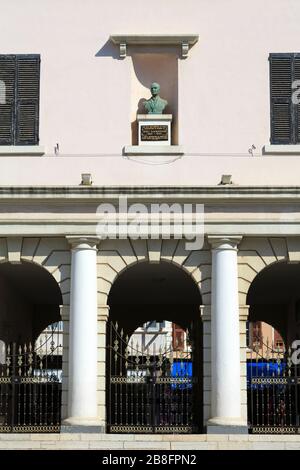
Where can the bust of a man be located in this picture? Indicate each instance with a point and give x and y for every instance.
(155, 105)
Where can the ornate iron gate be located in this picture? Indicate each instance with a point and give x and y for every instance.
(30, 387)
(273, 384)
(150, 389)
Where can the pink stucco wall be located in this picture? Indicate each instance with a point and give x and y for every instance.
(120, 171)
(86, 91)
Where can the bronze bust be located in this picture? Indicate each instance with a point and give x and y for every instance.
(155, 105)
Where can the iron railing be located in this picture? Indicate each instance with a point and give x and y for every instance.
(273, 389)
(150, 389)
(30, 386)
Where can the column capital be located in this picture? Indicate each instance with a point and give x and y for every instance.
(224, 242)
(83, 242)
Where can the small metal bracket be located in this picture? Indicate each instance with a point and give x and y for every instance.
(123, 50)
(184, 49)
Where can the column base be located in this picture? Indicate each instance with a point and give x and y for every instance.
(82, 425)
(226, 426)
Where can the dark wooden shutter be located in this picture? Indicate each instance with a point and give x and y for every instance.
(19, 116)
(7, 109)
(285, 114)
(27, 100)
(281, 77)
(297, 106)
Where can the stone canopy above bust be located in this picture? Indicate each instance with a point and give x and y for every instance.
(185, 41)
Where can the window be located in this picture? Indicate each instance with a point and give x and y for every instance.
(154, 325)
(254, 335)
(19, 104)
(55, 327)
(178, 336)
(285, 123)
(279, 345)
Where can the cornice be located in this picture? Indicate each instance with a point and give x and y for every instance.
(213, 194)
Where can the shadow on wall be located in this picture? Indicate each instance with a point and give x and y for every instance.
(149, 64)
(134, 124)
(146, 69)
(109, 49)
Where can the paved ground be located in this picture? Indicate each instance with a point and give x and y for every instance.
(159, 442)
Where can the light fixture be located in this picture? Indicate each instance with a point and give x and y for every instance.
(226, 179)
(251, 149)
(86, 179)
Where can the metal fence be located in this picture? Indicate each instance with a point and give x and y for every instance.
(273, 389)
(30, 387)
(149, 390)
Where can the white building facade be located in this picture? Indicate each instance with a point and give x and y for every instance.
(69, 144)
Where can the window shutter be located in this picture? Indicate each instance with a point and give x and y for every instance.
(27, 100)
(297, 106)
(7, 109)
(281, 76)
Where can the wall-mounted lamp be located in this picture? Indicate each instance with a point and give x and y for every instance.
(226, 179)
(86, 179)
(251, 149)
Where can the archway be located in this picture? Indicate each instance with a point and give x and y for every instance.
(161, 370)
(30, 382)
(29, 301)
(272, 374)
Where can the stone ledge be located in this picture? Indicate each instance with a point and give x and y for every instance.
(79, 429)
(281, 149)
(22, 150)
(154, 117)
(154, 39)
(165, 442)
(56, 438)
(144, 150)
(226, 430)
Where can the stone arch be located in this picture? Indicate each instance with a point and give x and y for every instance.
(54, 255)
(274, 298)
(161, 292)
(115, 256)
(30, 300)
(51, 253)
(256, 253)
(164, 284)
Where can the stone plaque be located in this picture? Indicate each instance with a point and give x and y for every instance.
(154, 133)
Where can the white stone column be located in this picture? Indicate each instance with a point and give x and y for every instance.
(226, 390)
(82, 406)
